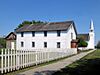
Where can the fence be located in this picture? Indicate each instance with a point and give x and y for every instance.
(16, 59)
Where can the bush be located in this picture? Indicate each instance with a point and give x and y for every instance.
(3, 42)
(82, 43)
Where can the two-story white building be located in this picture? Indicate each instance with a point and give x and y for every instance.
(54, 35)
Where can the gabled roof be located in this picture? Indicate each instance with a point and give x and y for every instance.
(11, 36)
(84, 36)
(47, 27)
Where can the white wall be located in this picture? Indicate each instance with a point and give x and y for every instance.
(91, 41)
(51, 39)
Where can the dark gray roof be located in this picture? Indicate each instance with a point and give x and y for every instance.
(83, 36)
(11, 36)
(46, 27)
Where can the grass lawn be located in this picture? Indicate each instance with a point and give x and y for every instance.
(89, 65)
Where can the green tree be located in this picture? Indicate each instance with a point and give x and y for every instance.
(3, 42)
(33, 22)
(82, 43)
(24, 23)
(98, 44)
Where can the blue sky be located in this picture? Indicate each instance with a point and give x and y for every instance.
(13, 12)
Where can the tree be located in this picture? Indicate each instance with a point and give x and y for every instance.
(24, 23)
(98, 44)
(33, 22)
(3, 42)
(82, 43)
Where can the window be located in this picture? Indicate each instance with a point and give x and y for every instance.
(33, 33)
(58, 44)
(45, 44)
(71, 35)
(45, 33)
(58, 33)
(22, 44)
(33, 44)
(22, 34)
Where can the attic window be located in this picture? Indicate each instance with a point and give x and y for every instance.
(71, 35)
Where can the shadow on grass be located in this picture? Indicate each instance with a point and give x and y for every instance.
(82, 67)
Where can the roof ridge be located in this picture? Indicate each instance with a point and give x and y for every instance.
(62, 21)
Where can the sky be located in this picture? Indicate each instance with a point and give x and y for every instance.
(14, 12)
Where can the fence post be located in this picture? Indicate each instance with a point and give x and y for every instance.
(23, 58)
(17, 59)
(5, 59)
(8, 60)
(2, 61)
(36, 57)
(11, 59)
(29, 61)
(14, 54)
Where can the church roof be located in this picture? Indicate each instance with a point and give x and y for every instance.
(83, 36)
(47, 27)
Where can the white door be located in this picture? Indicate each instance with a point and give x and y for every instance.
(12, 45)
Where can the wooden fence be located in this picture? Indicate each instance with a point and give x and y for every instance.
(11, 60)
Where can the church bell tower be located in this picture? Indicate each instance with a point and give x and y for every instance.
(91, 36)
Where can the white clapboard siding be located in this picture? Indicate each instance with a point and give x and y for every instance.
(11, 60)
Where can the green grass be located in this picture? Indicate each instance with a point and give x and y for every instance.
(88, 65)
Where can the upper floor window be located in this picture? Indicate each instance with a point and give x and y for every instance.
(58, 44)
(22, 44)
(58, 33)
(71, 35)
(33, 44)
(33, 33)
(45, 44)
(22, 34)
(45, 33)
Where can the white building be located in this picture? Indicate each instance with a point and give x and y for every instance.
(54, 35)
(11, 41)
(89, 37)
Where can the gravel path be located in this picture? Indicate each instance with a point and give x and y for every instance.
(51, 68)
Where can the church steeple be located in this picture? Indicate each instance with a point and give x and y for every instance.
(91, 36)
(91, 26)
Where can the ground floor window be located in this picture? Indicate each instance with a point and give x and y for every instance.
(58, 44)
(33, 44)
(22, 44)
(45, 44)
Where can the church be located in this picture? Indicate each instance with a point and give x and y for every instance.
(89, 37)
